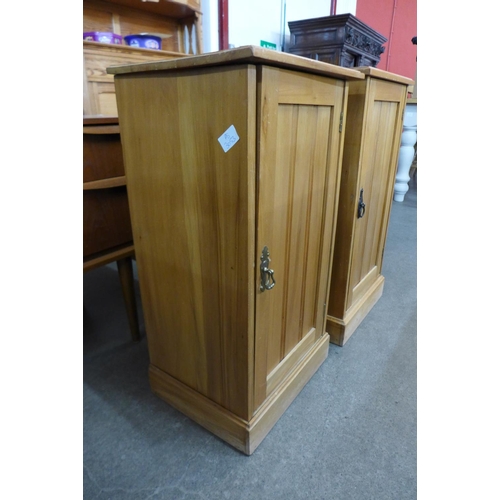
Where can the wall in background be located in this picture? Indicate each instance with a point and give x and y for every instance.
(397, 21)
(343, 7)
(210, 25)
(251, 22)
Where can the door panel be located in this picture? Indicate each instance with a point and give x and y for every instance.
(375, 176)
(297, 181)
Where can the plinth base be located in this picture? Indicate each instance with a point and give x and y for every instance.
(242, 434)
(340, 329)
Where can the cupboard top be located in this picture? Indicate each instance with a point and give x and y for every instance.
(385, 75)
(241, 55)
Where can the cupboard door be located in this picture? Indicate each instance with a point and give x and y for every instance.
(298, 156)
(382, 133)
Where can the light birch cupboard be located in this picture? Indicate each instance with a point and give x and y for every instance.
(232, 162)
(374, 123)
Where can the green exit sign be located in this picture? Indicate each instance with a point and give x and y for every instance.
(268, 45)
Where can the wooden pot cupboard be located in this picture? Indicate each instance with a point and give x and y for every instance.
(374, 124)
(177, 21)
(233, 162)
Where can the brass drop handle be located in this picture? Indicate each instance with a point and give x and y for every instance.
(361, 205)
(266, 275)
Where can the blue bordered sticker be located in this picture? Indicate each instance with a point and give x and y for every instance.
(229, 138)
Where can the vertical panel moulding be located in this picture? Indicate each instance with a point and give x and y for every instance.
(286, 277)
(319, 183)
(369, 175)
(309, 189)
(383, 158)
(307, 185)
(376, 168)
(379, 171)
(365, 176)
(282, 127)
(267, 319)
(331, 195)
(299, 223)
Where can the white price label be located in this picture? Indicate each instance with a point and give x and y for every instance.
(229, 138)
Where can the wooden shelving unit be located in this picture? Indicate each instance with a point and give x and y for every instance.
(178, 21)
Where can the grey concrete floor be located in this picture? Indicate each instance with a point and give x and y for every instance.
(350, 434)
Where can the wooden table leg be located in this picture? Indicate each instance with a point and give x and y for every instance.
(406, 151)
(127, 282)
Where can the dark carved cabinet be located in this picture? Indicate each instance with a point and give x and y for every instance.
(343, 40)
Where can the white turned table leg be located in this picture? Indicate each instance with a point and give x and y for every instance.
(406, 151)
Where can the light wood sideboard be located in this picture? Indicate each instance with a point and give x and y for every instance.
(233, 163)
(178, 21)
(373, 134)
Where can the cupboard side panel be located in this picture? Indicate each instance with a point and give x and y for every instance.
(190, 215)
(348, 199)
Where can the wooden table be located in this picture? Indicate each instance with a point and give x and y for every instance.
(107, 231)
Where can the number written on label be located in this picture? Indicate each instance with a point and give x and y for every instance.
(229, 138)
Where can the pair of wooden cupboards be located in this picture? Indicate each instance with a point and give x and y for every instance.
(237, 189)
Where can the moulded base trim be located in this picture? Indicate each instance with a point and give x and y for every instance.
(340, 329)
(242, 434)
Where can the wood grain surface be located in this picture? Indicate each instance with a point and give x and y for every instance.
(193, 222)
(223, 351)
(298, 175)
(373, 134)
(246, 54)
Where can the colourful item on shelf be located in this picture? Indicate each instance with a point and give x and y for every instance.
(103, 37)
(143, 41)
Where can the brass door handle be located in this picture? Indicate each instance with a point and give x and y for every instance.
(267, 280)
